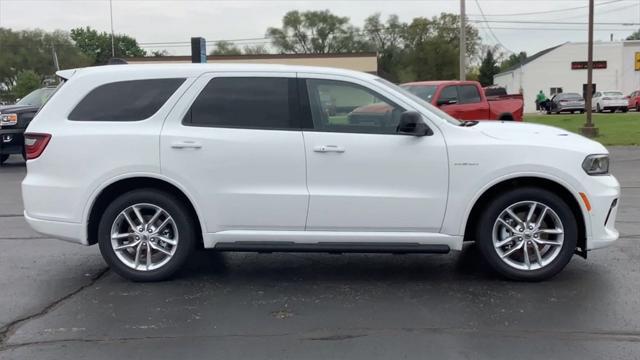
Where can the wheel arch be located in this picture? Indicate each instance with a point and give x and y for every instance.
(123, 185)
(506, 116)
(561, 190)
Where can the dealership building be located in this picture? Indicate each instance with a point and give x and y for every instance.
(563, 68)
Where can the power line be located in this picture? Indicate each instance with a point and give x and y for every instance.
(490, 30)
(551, 22)
(552, 11)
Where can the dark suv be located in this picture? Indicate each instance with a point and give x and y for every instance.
(15, 118)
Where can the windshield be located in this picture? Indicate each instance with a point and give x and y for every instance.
(612, 93)
(424, 92)
(37, 98)
(420, 101)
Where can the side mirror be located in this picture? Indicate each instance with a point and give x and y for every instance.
(411, 123)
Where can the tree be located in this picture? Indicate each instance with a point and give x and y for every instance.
(33, 50)
(26, 82)
(159, 53)
(634, 36)
(225, 48)
(255, 50)
(512, 60)
(488, 69)
(431, 48)
(315, 32)
(97, 45)
(386, 40)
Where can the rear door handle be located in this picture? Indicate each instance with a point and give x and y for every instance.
(328, 148)
(187, 144)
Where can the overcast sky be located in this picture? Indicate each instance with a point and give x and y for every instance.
(154, 21)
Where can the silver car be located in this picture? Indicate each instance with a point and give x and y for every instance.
(569, 102)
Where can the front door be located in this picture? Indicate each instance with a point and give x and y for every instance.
(234, 142)
(363, 176)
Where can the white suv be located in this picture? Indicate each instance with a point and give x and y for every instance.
(153, 161)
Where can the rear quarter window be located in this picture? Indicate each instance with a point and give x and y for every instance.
(132, 100)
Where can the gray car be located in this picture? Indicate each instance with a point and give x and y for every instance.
(569, 102)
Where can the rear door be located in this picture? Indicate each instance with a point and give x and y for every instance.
(234, 142)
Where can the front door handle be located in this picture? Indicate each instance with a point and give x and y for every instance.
(187, 144)
(328, 148)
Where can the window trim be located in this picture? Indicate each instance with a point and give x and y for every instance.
(307, 114)
(294, 104)
(67, 118)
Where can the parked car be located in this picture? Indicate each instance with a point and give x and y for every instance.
(566, 102)
(609, 100)
(14, 119)
(466, 100)
(243, 157)
(634, 100)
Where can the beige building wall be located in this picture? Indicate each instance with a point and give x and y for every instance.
(367, 62)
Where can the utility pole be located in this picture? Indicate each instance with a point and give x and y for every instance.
(463, 42)
(589, 128)
(113, 42)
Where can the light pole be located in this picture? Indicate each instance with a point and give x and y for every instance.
(113, 42)
(589, 128)
(463, 42)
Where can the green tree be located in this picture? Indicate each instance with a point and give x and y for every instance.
(512, 60)
(488, 69)
(225, 48)
(33, 50)
(97, 45)
(26, 82)
(386, 39)
(159, 53)
(634, 36)
(315, 32)
(255, 50)
(432, 48)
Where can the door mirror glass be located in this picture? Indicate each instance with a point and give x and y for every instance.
(411, 123)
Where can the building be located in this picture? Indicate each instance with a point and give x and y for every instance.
(366, 62)
(563, 68)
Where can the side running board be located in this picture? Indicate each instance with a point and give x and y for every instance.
(332, 247)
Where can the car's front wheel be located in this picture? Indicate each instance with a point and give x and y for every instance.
(527, 234)
(146, 235)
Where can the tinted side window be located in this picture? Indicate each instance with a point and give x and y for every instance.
(468, 94)
(249, 102)
(449, 93)
(132, 100)
(340, 106)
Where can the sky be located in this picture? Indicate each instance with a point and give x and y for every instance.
(513, 24)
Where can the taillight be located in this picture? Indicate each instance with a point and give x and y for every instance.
(35, 144)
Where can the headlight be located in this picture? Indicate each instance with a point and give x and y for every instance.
(596, 164)
(8, 119)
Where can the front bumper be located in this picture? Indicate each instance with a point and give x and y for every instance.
(11, 141)
(604, 197)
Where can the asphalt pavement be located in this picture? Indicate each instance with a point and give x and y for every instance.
(58, 300)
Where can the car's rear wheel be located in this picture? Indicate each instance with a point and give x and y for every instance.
(527, 234)
(3, 158)
(146, 235)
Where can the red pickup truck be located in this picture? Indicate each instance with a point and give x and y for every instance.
(466, 100)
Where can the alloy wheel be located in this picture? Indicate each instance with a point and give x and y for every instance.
(144, 237)
(528, 235)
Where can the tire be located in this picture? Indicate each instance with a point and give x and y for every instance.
(624, 109)
(179, 228)
(3, 158)
(638, 108)
(598, 109)
(581, 111)
(514, 266)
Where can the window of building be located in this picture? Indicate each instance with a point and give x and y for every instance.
(132, 100)
(555, 90)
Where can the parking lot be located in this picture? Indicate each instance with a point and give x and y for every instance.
(58, 300)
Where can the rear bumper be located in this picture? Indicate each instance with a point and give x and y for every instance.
(72, 232)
